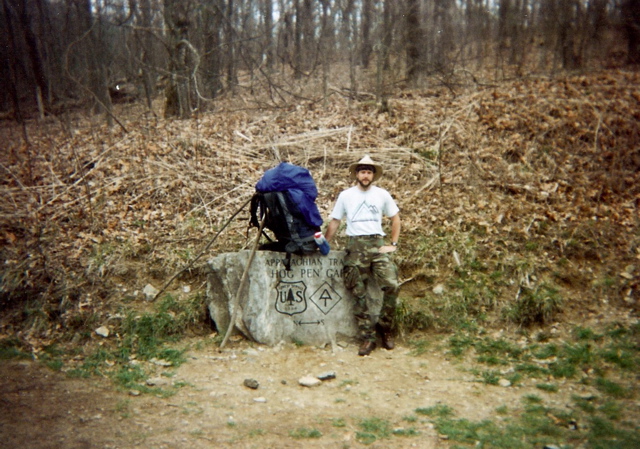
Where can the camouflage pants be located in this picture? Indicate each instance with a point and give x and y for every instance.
(362, 262)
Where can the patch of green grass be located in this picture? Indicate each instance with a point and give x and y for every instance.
(468, 432)
(419, 347)
(472, 291)
(585, 333)
(401, 432)
(491, 359)
(339, 422)
(620, 357)
(571, 358)
(459, 343)
(52, 356)
(603, 421)
(439, 411)
(348, 382)
(197, 433)
(373, 429)
(611, 388)
(366, 438)
(257, 433)
(563, 369)
(535, 305)
(611, 410)
(497, 352)
(515, 378)
(96, 364)
(55, 364)
(532, 428)
(603, 434)
(305, 433)
(586, 405)
(143, 337)
(146, 335)
(122, 408)
(414, 314)
(490, 377)
(545, 351)
(551, 388)
(532, 370)
(532, 399)
(130, 376)
(537, 425)
(12, 348)
(82, 322)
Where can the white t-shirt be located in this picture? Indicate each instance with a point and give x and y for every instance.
(364, 209)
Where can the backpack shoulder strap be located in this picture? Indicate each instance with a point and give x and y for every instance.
(288, 217)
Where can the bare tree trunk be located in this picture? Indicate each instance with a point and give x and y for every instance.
(308, 36)
(348, 33)
(212, 23)
(297, 40)
(504, 14)
(286, 40)
(597, 18)
(547, 24)
(232, 76)
(12, 63)
(303, 39)
(567, 35)
(268, 32)
(367, 22)
(35, 56)
(177, 101)
(387, 34)
(631, 21)
(97, 61)
(145, 37)
(325, 50)
(414, 40)
(444, 38)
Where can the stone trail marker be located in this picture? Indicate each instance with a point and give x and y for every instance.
(307, 304)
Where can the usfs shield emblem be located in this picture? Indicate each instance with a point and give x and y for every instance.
(290, 297)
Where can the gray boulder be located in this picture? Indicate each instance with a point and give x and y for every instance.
(306, 304)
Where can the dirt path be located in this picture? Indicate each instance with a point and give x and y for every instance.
(43, 409)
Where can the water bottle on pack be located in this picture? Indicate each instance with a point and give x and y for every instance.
(322, 243)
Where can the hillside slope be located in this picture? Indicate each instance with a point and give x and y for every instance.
(527, 188)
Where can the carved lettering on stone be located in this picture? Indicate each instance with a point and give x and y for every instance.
(307, 303)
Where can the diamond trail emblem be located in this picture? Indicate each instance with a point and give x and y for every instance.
(325, 298)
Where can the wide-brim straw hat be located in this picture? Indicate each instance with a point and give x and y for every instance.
(366, 161)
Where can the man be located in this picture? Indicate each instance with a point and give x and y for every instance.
(364, 205)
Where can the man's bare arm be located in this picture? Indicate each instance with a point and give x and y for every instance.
(395, 227)
(332, 228)
(395, 234)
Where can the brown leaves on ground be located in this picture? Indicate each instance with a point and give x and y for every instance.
(89, 213)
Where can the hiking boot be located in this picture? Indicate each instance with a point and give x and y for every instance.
(387, 340)
(366, 347)
(386, 336)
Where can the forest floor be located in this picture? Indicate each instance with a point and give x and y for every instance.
(526, 189)
(373, 401)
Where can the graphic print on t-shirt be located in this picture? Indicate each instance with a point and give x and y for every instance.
(365, 212)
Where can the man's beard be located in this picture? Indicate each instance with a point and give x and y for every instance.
(363, 185)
